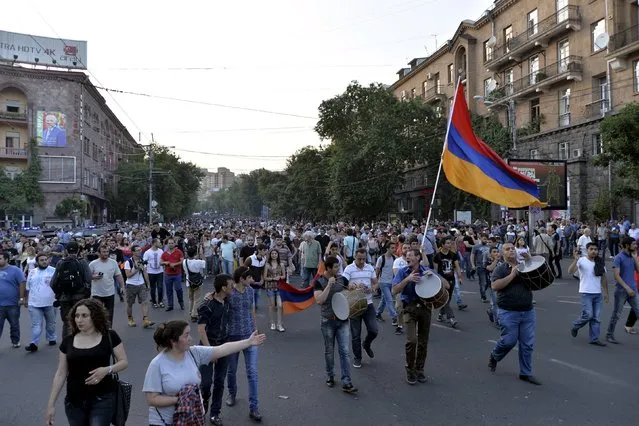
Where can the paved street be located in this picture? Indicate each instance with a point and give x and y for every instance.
(582, 384)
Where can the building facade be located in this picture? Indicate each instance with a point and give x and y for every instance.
(215, 181)
(80, 140)
(552, 69)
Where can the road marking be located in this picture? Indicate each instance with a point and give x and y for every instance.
(467, 292)
(569, 301)
(569, 297)
(600, 376)
(446, 328)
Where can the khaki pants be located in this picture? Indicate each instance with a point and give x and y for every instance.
(417, 320)
(194, 300)
(399, 307)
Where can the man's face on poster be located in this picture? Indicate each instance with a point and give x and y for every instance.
(51, 121)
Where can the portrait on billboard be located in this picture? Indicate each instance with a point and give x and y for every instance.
(551, 177)
(51, 129)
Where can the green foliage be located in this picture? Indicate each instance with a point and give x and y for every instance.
(600, 209)
(23, 192)
(69, 205)
(175, 186)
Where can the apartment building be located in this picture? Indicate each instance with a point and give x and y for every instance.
(214, 181)
(552, 69)
(80, 140)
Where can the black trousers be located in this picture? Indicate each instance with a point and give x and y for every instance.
(109, 304)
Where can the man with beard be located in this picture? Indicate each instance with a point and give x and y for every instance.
(248, 249)
(103, 271)
(40, 300)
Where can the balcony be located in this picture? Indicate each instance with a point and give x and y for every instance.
(13, 117)
(561, 22)
(433, 94)
(570, 68)
(14, 153)
(625, 43)
(596, 109)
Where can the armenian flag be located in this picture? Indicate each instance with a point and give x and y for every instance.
(472, 166)
(295, 299)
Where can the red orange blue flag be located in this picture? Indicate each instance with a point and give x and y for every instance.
(295, 299)
(472, 166)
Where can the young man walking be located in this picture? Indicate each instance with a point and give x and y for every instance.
(194, 270)
(172, 262)
(40, 298)
(623, 267)
(137, 283)
(154, 270)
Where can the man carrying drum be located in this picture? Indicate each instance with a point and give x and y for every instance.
(417, 315)
(325, 287)
(516, 315)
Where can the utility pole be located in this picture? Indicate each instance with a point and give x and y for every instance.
(151, 158)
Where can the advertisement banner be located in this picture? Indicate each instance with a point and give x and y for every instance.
(552, 178)
(51, 129)
(30, 49)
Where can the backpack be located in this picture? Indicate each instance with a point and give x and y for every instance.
(70, 278)
(195, 278)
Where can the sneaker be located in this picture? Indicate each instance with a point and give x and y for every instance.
(182, 306)
(281, 329)
(484, 300)
(609, 339)
(16, 345)
(169, 309)
(349, 388)
(492, 363)
(421, 378)
(573, 332)
(330, 382)
(394, 323)
(440, 317)
(31, 347)
(255, 415)
(357, 364)
(453, 322)
(52, 343)
(230, 401)
(598, 343)
(132, 322)
(216, 421)
(529, 379)
(155, 306)
(491, 316)
(380, 318)
(273, 326)
(411, 379)
(147, 323)
(369, 352)
(462, 306)
(161, 305)
(399, 330)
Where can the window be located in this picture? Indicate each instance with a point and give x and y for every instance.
(563, 55)
(12, 140)
(424, 87)
(636, 76)
(562, 10)
(533, 21)
(597, 29)
(563, 150)
(413, 93)
(533, 68)
(597, 144)
(451, 73)
(508, 35)
(564, 107)
(87, 146)
(486, 87)
(95, 152)
(603, 95)
(94, 181)
(535, 114)
(509, 77)
(534, 154)
(438, 88)
(13, 106)
(403, 95)
(57, 169)
(85, 177)
(488, 52)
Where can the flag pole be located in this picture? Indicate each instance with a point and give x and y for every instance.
(441, 160)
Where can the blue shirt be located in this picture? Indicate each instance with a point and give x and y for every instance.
(241, 313)
(408, 294)
(626, 265)
(10, 279)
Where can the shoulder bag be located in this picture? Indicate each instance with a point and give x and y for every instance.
(122, 394)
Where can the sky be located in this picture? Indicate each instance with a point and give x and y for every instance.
(282, 56)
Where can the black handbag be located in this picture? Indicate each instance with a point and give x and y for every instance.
(122, 395)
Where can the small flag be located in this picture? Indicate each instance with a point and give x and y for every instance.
(295, 299)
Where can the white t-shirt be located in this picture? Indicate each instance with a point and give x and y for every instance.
(582, 242)
(399, 263)
(588, 282)
(104, 287)
(195, 266)
(355, 275)
(153, 257)
(137, 279)
(39, 287)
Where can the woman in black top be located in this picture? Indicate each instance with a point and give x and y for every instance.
(85, 364)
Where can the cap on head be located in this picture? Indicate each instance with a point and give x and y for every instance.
(72, 247)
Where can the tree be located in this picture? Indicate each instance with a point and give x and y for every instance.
(23, 192)
(70, 205)
(619, 134)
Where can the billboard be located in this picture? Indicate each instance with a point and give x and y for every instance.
(30, 49)
(551, 177)
(51, 129)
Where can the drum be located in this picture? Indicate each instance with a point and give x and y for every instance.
(357, 303)
(431, 290)
(536, 273)
(440, 300)
(339, 304)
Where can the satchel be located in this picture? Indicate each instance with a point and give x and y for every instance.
(195, 278)
(600, 267)
(122, 395)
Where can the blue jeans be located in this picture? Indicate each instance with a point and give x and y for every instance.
(492, 296)
(37, 316)
(483, 279)
(590, 315)
(96, 411)
(227, 267)
(256, 295)
(11, 314)
(250, 363)
(621, 297)
(307, 275)
(171, 281)
(213, 374)
(331, 330)
(456, 292)
(356, 331)
(468, 269)
(215, 264)
(387, 301)
(517, 326)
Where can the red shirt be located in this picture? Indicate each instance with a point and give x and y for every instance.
(176, 257)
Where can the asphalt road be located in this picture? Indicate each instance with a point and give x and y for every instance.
(582, 384)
